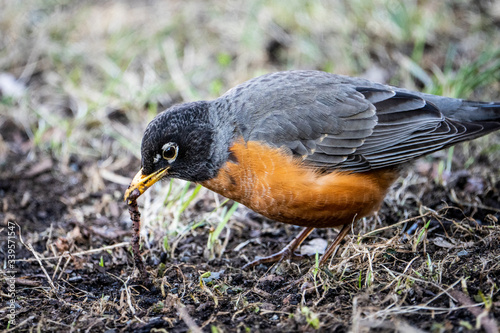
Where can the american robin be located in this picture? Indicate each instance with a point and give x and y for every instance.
(307, 148)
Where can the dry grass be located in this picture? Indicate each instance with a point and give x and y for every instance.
(91, 75)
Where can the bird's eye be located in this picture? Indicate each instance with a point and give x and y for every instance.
(169, 151)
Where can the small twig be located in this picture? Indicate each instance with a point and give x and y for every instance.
(18, 326)
(127, 292)
(396, 224)
(81, 253)
(49, 279)
(187, 319)
(58, 323)
(27, 283)
(57, 268)
(129, 298)
(37, 257)
(64, 267)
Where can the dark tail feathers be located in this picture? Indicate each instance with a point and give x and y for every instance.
(478, 117)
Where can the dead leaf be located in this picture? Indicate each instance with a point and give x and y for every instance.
(43, 166)
(441, 242)
(316, 245)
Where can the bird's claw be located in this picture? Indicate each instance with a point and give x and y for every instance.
(277, 258)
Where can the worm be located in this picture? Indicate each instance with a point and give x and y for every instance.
(135, 216)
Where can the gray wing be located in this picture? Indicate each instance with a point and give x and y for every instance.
(338, 122)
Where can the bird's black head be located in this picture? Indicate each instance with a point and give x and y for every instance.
(180, 139)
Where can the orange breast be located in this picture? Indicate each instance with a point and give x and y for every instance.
(274, 184)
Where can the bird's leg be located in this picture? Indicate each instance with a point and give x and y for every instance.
(340, 236)
(287, 252)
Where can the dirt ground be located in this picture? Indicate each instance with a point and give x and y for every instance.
(429, 261)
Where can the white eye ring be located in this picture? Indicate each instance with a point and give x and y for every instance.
(169, 151)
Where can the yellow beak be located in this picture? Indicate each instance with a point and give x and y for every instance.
(143, 182)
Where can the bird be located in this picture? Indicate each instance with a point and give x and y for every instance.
(304, 147)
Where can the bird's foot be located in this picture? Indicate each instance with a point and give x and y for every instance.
(288, 251)
(277, 257)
